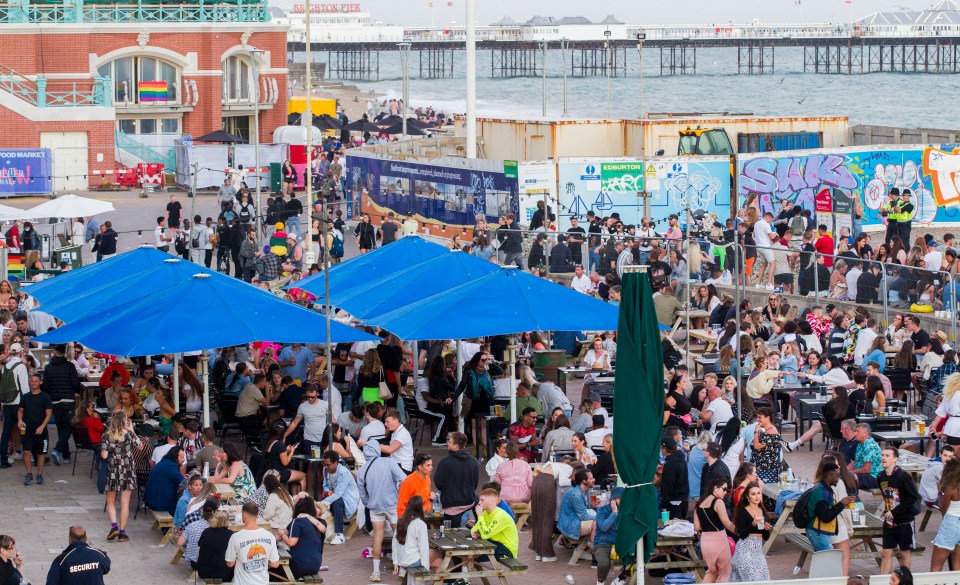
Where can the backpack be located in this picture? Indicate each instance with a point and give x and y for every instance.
(229, 215)
(9, 388)
(801, 513)
(798, 225)
(336, 248)
(260, 266)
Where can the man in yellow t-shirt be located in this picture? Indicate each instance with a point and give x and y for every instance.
(495, 525)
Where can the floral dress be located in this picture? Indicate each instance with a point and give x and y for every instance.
(121, 474)
(767, 459)
(243, 485)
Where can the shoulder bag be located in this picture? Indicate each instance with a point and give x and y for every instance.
(384, 393)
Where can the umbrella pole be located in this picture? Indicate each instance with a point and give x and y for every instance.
(415, 350)
(459, 398)
(204, 358)
(512, 356)
(176, 382)
(641, 571)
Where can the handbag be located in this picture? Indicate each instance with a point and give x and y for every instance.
(384, 393)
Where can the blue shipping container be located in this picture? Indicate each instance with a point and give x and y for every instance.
(773, 141)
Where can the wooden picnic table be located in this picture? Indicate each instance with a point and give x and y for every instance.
(682, 318)
(672, 548)
(459, 549)
(706, 336)
(784, 524)
(899, 437)
(863, 540)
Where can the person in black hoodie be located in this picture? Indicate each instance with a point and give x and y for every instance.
(560, 258)
(537, 256)
(236, 240)
(713, 467)
(108, 241)
(61, 382)
(456, 476)
(510, 241)
(674, 488)
(78, 564)
(213, 547)
(901, 504)
(868, 285)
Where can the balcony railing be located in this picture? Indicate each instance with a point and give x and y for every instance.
(53, 11)
(44, 93)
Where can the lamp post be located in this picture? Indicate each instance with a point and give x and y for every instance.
(255, 56)
(405, 60)
(641, 36)
(606, 53)
(543, 63)
(471, 78)
(307, 120)
(564, 43)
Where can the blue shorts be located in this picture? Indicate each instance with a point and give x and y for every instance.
(948, 536)
(819, 540)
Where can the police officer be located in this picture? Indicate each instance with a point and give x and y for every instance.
(890, 210)
(79, 564)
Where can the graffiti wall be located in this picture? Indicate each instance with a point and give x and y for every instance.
(608, 186)
(441, 196)
(703, 182)
(932, 173)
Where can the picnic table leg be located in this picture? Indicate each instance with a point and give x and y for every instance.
(166, 537)
(775, 532)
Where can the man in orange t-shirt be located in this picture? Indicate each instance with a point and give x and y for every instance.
(416, 484)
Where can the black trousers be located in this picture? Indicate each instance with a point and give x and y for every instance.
(63, 415)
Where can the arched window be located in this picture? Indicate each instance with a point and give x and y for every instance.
(137, 80)
(238, 79)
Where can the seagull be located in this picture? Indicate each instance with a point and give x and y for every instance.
(801, 101)
(781, 80)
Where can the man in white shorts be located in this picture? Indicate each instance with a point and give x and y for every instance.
(764, 235)
(379, 481)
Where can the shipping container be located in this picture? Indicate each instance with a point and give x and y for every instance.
(774, 141)
(546, 138)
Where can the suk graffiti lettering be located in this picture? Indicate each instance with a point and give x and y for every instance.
(931, 173)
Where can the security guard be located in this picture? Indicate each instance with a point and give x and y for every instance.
(79, 564)
(890, 210)
(906, 218)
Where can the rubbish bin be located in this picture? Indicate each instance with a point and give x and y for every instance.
(276, 177)
(71, 254)
(548, 362)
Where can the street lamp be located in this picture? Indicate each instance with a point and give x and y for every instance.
(606, 52)
(543, 51)
(641, 36)
(255, 56)
(471, 46)
(405, 60)
(564, 44)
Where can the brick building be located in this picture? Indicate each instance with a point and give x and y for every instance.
(108, 85)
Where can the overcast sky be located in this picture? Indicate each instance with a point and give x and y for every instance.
(416, 12)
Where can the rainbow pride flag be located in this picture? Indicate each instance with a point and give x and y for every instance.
(153, 91)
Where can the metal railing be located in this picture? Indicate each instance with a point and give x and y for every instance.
(900, 286)
(43, 93)
(77, 11)
(144, 152)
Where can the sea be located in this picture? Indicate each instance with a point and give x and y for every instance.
(917, 100)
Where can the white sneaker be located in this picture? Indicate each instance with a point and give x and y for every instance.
(769, 287)
(17, 455)
(548, 559)
(375, 577)
(617, 581)
(338, 539)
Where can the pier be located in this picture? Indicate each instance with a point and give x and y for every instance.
(925, 41)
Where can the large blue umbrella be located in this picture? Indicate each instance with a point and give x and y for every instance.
(506, 301)
(100, 294)
(370, 298)
(373, 266)
(113, 269)
(197, 314)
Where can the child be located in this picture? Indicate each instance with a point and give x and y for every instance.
(606, 536)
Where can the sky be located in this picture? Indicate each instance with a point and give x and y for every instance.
(417, 12)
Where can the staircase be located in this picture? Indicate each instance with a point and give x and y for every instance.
(130, 152)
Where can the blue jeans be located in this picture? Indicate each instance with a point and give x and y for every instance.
(339, 512)
(819, 540)
(9, 424)
(594, 260)
(293, 225)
